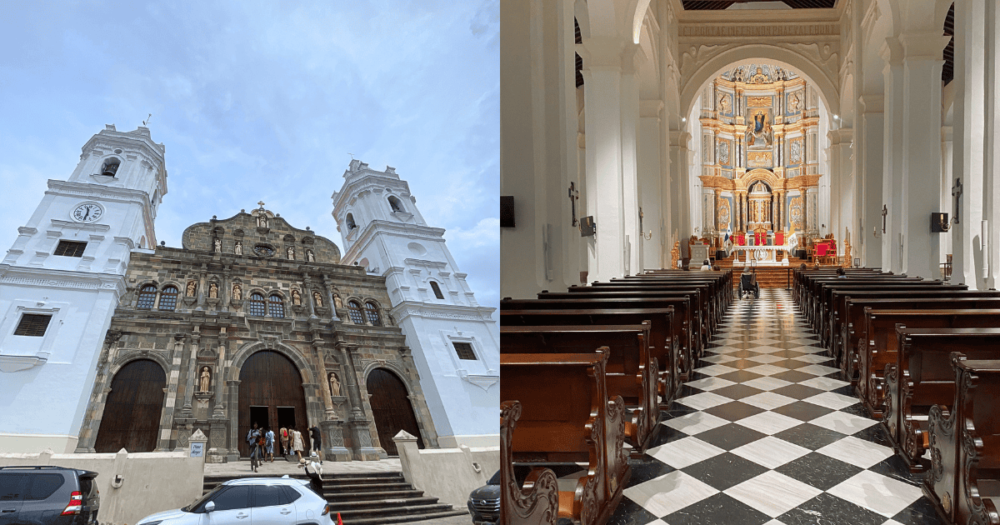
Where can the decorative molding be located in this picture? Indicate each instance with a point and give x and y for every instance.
(482, 381)
(16, 363)
(765, 29)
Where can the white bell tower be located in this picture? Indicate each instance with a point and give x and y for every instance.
(61, 281)
(455, 341)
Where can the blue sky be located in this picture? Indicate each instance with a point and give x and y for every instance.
(264, 101)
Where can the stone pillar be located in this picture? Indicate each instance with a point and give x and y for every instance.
(202, 278)
(602, 74)
(363, 448)
(805, 210)
(921, 151)
(317, 344)
(170, 403)
(191, 372)
(651, 184)
(328, 283)
(217, 449)
(307, 290)
(233, 452)
(944, 202)
(892, 172)
(220, 365)
(992, 183)
(102, 387)
(971, 120)
(872, 135)
(841, 183)
(680, 203)
(629, 134)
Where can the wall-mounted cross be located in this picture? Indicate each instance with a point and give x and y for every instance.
(574, 194)
(956, 191)
(885, 211)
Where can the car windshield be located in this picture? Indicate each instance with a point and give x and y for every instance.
(495, 480)
(197, 504)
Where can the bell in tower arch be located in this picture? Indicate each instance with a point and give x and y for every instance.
(110, 167)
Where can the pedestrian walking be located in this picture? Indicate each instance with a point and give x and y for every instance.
(269, 444)
(317, 443)
(254, 439)
(297, 443)
(284, 441)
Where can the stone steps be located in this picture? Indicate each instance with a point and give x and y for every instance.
(369, 498)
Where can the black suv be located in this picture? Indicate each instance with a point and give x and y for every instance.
(48, 496)
(484, 502)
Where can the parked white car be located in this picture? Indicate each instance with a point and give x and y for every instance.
(250, 501)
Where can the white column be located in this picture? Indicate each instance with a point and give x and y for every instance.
(992, 184)
(921, 151)
(892, 172)
(680, 187)
(605, 194)
(650, 185)
(947, 160)
(968, 140)
(630, 124)
(872, 140)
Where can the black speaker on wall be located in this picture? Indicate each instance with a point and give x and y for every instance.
(507, 211)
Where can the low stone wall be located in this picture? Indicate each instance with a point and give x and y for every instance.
(149, 481)
(448, 474)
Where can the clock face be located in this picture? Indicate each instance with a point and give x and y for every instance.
(88, 212)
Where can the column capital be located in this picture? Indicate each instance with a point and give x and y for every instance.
(873, 103)
(924, 46)
(892, 51)
(842, 136)
(602, 53)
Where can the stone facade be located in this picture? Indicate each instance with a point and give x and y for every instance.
(221, 265)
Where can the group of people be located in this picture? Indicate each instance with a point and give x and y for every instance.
(261, 441)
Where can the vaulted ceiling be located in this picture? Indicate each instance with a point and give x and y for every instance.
(715, 5)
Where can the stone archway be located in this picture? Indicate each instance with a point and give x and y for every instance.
(270, 389)
(392, 409)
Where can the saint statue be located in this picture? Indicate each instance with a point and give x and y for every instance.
(218, 246)
(206, 379)
(309, 256)
(262, 220)
(213, 291)
(334, 385)
(238, 250)
(291, 252)
(319, 299)
(191, 288)
(337, 301)
(296, 298)
(237, 292)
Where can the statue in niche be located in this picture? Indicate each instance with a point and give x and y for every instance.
(238, 249)
(191, 288)
(794, 102)
(218, 246)
(206, 379)
(724, 105)
(296, 298)
(213, 291)
(291, 252)
(309, 256)
(237, 292)
(796, 152)
(337, 301)
(261, 220)
(334, 385)
(319, 299)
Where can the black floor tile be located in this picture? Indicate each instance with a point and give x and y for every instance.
(793, 376)
(728, 437)
(739, 376)
(664, 434)
(724, 471)
(920, 512)
(894, 467)
(734, 411)
(818, 470)
(797, 391)
(719, 509)
(737, 391)
(647, 468)
(630, 513)
(810, 436)
(790, 364)
(827, 509)
(802, 410)
(875, 434)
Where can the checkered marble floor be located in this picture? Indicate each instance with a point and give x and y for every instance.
(767, 433)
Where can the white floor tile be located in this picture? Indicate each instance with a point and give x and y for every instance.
(824, 383)
(714, 370)
(772, 493)
(767, 370)
(769, 422)
(818, 370)
(710, 383)
(832, 400)
(704, 400)
(669, 493)
(766, 383)
(857, 452)
(770, 452)
(695, 423)
(876, 492)
(685, 452)
(768, 400)
(765, 359)
(843, 422)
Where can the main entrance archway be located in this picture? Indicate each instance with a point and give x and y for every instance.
(391, 409)
(132, 412)
(270, 395)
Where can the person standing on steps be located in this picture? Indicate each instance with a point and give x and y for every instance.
(269, 444)
(283, 435)
(297, 443)
(253, 439)
(317, 443)
(315, 473)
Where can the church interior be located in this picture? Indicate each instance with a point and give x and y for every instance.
(749, 261)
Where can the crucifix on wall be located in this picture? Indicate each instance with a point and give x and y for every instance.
(885, 211)
(574, 194)
(956, 191)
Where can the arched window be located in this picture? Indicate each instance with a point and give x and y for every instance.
(276, 306)
(395, 204)
(257, 305)
(350, 222)
(437, 290)
(168, 299)
(355, 311)
(371, 311)
(147, 297)
(110, 167)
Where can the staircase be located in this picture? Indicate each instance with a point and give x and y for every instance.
(768, 277)
(370, 498)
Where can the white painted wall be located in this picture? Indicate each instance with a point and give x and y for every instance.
(448, 473)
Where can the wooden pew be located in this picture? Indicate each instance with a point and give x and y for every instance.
(720, 292)
(661, 323)
(836, 307)
(537, 503)
(690, 338)
(964, 478)
(630, 373)
(881, 345)
(812, 290)
(922, 377)
(701, 302)
(823, 299)
(852, 326)
(567, 417)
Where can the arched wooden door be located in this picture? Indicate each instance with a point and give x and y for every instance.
(391, 409)
(271, 394)
(132, 413)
